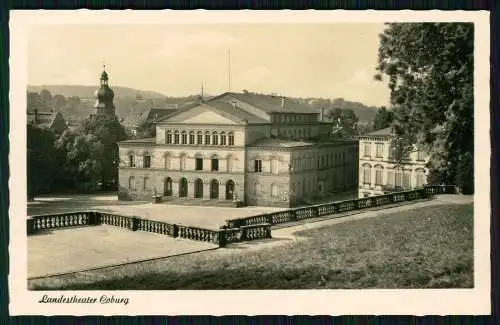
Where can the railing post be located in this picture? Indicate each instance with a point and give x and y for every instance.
(244, 235)
(221, 238)
(30, 226)
(315, 210)
(175, 230)
(135, 223)
(293, 215)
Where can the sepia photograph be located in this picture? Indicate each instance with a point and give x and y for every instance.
(250, 156)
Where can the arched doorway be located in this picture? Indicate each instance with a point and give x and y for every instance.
(167, 187)
(198, 188)
(230, 189)
(183, 187)
(214, 189)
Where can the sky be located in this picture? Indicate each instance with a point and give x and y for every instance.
(299, 60)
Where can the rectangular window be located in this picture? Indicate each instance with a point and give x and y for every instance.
(378, 177)
(191, 138)
(390, 178)
(199, 138)
(215, 165)
(207, 138)
(147, 161)
(420, 179)
(368, 149)
(169, 138)
(391, 152)
(215, 139)
(231, 139)
(146, 183)
(398, 182)
(420, 155)
(257, 166)
(199, 163)
(380, 150)
(367, 178)
(406, 180)
(184, 138)
(131, 161)
(223, 139)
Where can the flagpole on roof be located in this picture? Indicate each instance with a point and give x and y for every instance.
(229, 69)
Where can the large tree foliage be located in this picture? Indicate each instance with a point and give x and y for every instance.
(344, 118)
(430, 70)
(41, 160)
(383, 119)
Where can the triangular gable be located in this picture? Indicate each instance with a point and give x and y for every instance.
(200, 114)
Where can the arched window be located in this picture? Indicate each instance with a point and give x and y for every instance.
(176, 137)
(184, 137)
(199, 137)
(231, 138)
(274, 190)
(131, 183)
(215, 138)
(191, 137)
(223, 138)
(421, 179)
(367, 174)
(229, 163)
(182, 162)
(168, 160)
(207, 137)
(146, 183)
(146, 160)
(274, 165)
(379, 170)
(168, 139)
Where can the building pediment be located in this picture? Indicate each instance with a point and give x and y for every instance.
(202, 114)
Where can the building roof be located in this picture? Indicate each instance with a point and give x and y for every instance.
(224, 108)
(145, 140)
(157, 113)
(236, 112)
(271, 103)
(380, 133)
(282, 143)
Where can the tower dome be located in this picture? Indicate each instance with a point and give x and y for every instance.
(104, 96)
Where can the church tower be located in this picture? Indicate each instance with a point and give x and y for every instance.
(104, 97)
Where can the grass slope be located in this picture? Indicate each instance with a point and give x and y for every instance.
(421, 248)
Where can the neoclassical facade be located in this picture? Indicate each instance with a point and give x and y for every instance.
(257, 149)
(378, 170)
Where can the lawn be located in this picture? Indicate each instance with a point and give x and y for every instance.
(430, 247)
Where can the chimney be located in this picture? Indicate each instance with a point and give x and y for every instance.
(322, 114)
(283, 103)
(36, 116)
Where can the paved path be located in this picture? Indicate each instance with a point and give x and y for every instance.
(76, 249)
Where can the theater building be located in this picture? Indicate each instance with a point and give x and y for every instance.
(379, 171)
(256, 149)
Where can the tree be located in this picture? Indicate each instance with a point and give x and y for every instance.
(41, 164)
(346, 118)
(46, 99)
(59, 101)
(383, 119)
(430, 70)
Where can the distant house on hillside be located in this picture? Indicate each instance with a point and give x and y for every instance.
(51, 120)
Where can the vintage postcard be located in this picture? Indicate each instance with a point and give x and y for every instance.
(249, 162)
